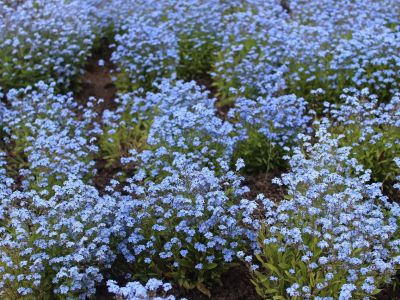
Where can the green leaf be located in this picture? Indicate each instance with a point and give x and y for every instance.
(202, 288)
(272, 268)
(211, 266)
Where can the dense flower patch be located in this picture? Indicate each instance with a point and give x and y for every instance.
(44, 40)
(45, 128)
(339, 228)
(210, 94)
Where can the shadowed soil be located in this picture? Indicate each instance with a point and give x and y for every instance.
(96, 81)
(236, 285)
(262, 184)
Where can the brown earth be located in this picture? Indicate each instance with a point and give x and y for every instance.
(236, 285)
(96, 81)
(262, 184)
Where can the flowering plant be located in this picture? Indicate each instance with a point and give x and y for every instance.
(335, 234)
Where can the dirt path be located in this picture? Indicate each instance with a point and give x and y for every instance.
(96, 81)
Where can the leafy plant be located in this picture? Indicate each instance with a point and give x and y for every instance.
(372, 129)
(226, 82)
(186, 223)
(125, 129)
(319, 241)
(44, 42)
(267, 127)
(259, 154)
(196, 55)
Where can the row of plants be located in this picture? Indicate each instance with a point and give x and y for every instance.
(259, 48)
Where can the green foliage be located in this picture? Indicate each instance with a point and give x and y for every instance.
(303, 75)
(378, 156)
(333, 74)
(259, 154)
(321, 75)
(184, 274)
(222, 66)
(18, 71)
(43, 291)
(278, 264)
(16, 158)
(196, 55)
(117, 144)
(125, 82)
(131, 133)
(181, 269)
(302, 86)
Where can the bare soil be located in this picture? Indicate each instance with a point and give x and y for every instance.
(97, 81)
(236, 285)
(262, 184)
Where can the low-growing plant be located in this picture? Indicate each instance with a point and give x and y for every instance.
(194, 130)
(145, 52)
(126, 128)
(363, 59)
(372, 129)
(135, 290)
(290, 55)
(179, 117)
(259, 154)
(54, 245)
(266, 127)
(186, 122)
(196, 55)
(184, 210)
(225, 81)
(247, 64)
(169, 202)
(335, 235)
(48, 136)
(187, 223)
(44, 41)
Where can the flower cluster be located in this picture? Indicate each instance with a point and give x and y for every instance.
(44, 40)
(136, 291)
(279, 119)
(5, 181)
(241, 65)
(372, 128)
(266, 128)
(172, 38)
(346, 50)
(307, 45)
(340, 229)
(146, 51)
(187, 123)
(126, 127)
(46, 128)
(62, 250)
(184, 221)
(145, 188)
(185, 215)
(180, 117)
